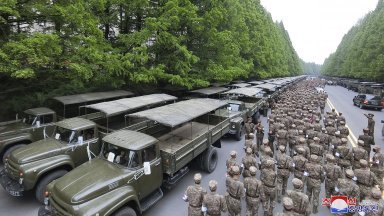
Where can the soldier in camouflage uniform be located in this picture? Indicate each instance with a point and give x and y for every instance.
(317, 126)
(332, 174)
(368, 140)
(267, 155)
(311, 133)
(359, 153)
(299, 162)
(213, 203)
(344, 131)
(194, 196)
(375, 199)
(366, 179)
(378, 163)
(339, 119)
(247, 162)
(371, 124)
(249, 141)
(324, 138)
(300, 199)
(284, 165)
(254, 193)
(235, 192)
(288, 208)
(231, 161)
(282, 137)
(292, 134)
(344, 154)
(315, 176)
(259, 134)
(249, 126)
(268, 177)
(347, 187)
(316, 148)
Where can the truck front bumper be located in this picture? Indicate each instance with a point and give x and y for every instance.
(11, 186)
(232, 131)
(45, 211)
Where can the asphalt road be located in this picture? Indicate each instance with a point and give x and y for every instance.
(172, 204)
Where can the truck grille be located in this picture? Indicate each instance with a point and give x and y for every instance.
(12, 171)
(57, 209)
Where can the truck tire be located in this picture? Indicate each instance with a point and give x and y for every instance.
(125, 211)
(9, 150)
(209, 160)
(239, 133)
(42, 184)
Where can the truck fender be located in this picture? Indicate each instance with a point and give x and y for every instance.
(239, 120)
(9, 141)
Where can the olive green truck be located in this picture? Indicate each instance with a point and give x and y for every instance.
(126, 177)
(72, 142)
(30, 126)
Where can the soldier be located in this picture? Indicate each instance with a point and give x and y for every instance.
(347, 187)
(315, 173)
(371, 124)
(284, 165)
(213, 203)
(292, 134)
(231, 161)
(368, 140)
(339, 119)
(268, 177)
(345, 154)
(317, 126)
(375, 199)
(235, 192)
(194, 196)
(282, 137)
(254, 192)
(316, 148)
(332, 172)
(378, 163)
(288, 208)
(267, 155)
(366, 179)
(248, 161)
(249, 126)
(259, 134)
(300, 199)
(302, 144)
(359, 153)
(299, 162)
(335, 142)
(322, 105)
(344, 131)
(249, 141)
(311, 133)
(324, 138)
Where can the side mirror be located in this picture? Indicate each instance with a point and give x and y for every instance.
(147, 168)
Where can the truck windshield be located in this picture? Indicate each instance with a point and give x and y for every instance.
(29, 119)
(66, 135)
(121, 156)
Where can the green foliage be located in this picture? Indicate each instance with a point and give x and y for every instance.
(360, 53)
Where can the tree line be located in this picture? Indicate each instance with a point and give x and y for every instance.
(58, 47)
(361, 51)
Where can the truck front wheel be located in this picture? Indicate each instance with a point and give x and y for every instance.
(42, 185)
(126, 211)
(210, 158)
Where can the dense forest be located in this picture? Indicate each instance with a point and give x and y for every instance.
(311, 68)
(361, 51)
(60, 47)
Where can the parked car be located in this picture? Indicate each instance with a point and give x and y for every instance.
(367, 101)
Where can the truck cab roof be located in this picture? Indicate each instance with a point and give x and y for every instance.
(75, 123)
(39, 111)
(128, 139)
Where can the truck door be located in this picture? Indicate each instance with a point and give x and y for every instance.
(149, 183)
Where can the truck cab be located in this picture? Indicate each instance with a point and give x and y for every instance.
(30, 127)
(121, 179)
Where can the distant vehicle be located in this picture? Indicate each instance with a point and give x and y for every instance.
(329, 82)
(382, 130)
(366, 101)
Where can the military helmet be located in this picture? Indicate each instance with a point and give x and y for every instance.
(293, 126)
(349, 173)
(316, 139)
(323, 129)
(376, 148)
(235, 170)
(337, 133)
(314, 158)
(282, 148)
(344, 140)
(300, 150)
(212, 185)
(370, 115)
(288, 203)
(363, 163)
(342, 122)
(360, 142)
(265, 141)
(330, 158)
(376, 193)
(252, 170)
(302, 140)
(197, 178)
(365, 130)
(248, 150)
(233, 153)
(251, 136)
(269, 163)
(297, 183)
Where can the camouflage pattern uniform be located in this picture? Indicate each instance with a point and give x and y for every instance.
(254, 193)
(292, 134)
(344, 131)
(282, 137)
(194, 196)
(299, 162)
(371, 124)
(268, 177)
(235, 192)
(324, 138)
(249, 141)
(339, 119)
(347, 187)
(315, 177)
(359, 153)
(249, 126)
(375, 200)
(332, 172)
(259, 134)
(231, 161)
(288, 208)
(378, 163)
(214, 203)
(344, 154)
(366, 179)
(368, 140)
(247, 162)
(300, 199)
(316, 148)
(284, 165)
(335, 142)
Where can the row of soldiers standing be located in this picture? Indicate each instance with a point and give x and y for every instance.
(317, 153)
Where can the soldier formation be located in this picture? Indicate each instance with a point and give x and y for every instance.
(310, 146)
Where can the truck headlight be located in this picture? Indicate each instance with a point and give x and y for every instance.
(46, 198)
(21, 178)
(233, 126)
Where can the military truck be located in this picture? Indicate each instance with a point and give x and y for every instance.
(72, 143)
(252, 98)
(29, 126)
(126, 178)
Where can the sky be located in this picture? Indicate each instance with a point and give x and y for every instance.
(316, 27)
